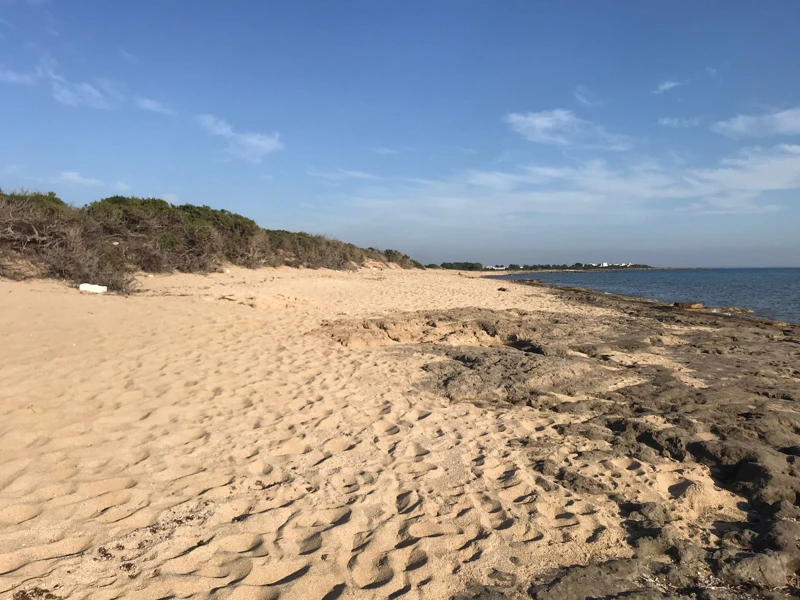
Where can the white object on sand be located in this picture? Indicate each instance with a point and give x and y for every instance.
(95, 289)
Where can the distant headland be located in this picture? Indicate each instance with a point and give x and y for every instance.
(476, 266)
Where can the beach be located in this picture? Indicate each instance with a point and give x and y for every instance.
(312, 434)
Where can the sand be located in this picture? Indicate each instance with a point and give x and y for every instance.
(269, 434)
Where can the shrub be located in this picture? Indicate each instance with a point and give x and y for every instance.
(106, 241)
(463, 266)
(62, 241)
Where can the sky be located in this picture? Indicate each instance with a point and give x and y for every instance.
(525, 131)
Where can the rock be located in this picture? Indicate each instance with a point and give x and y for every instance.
(502, 289)
(94, 289)
(670, 442)
(765, 570)
(735, 309)
(604, 580)
(689, 305)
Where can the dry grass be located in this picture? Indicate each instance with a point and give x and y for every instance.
(108, 240)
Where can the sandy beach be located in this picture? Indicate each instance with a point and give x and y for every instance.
(311, 435)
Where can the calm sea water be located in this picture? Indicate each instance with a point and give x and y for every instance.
(771, 293)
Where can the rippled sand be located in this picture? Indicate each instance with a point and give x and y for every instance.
(238, 435)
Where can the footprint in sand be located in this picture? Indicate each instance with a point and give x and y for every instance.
(370, 572)
(407, 501)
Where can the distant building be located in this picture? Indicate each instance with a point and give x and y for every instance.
(603, 264)
(496, 268)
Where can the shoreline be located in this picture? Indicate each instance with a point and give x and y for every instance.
(722, 311)
(597, 270)
(305, 434)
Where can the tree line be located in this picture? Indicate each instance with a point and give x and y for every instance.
(476, 266)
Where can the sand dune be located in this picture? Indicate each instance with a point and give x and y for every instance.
(211, 436)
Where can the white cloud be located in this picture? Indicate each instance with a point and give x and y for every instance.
(112, 89)
(251, 147)
(131, 58)
(121, 186)
(102, 94)
(76, 178)
(79, 94)
(546, 127)
(735, 185)
(665, 86)
(586, 97)
(357, 174)
(153, 106)
(341, 174)
(495, 180)
(561, 127)
(7, 76)
(678, 122)
(386, 150)
(785, 122)
(711, 71)
(171, 198)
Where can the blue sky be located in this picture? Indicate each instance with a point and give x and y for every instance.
(508, 131)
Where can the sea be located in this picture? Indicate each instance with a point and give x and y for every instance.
(770, 293)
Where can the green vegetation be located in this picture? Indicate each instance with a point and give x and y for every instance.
(107, 241)
(463, 266)
(468, 266)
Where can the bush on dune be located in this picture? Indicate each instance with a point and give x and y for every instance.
(106, 241)
(60, 240)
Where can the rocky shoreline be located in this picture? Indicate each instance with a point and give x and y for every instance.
(652, 387)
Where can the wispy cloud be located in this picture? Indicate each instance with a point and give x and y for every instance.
(388, 150)
(121, 186)
(494, 180)
(77, 179)
(738, 184)
(382, 150)
(667, 85)
(785, 122)
(678, 122)
(153, 106)
(13, 77)
(711, 71)
(102, 94)
(586, 96)
(130, 57)
(561, 127)
(251, 147)
(79, 94)
(341, 174)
